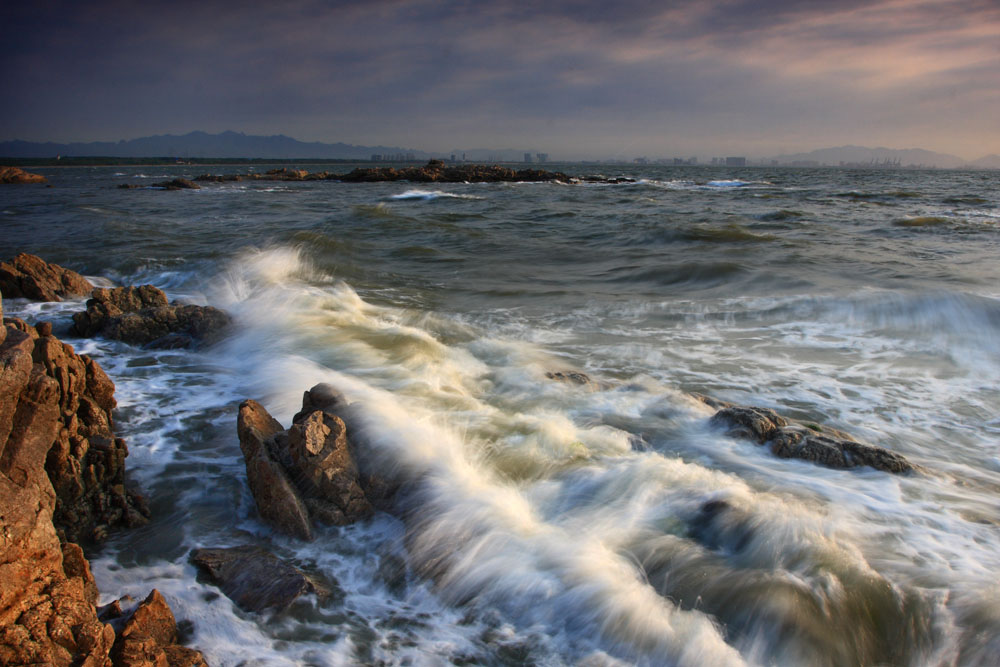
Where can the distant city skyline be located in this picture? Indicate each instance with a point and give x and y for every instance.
(578, 80)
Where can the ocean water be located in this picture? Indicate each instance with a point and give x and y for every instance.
(550, 523)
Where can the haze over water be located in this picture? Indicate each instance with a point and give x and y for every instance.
(549, 523)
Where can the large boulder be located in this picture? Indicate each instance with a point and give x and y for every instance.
(308, 472)
(148, 636)
(788, 439)
(143, 316)
(12, 175)
(256, 579)
(31, 277)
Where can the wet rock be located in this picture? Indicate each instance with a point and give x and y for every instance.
(31, 277)
(758, 424)
(16, 175)
(827, 447)
(573, 377)
(278, 501)
(149, 637)
(309, 472)
(436, 171)
(256, 579)
(142, 316)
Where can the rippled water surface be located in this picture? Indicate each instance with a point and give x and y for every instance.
(550, 523)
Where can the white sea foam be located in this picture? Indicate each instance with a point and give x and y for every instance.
(430, 195)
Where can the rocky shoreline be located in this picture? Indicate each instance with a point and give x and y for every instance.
(63, 481)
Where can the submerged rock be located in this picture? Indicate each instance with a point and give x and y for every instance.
(829, 447)
(307, 473)
(175, 184)
(31, 277)
(142, 316)
(256, 579)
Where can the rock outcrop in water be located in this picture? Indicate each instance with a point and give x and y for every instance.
(143, 316)
(61, 481)
(256, 579)
(16, 175)
(308, 472)
(33, 278)
(435, 171)
(787, 439)
(174, 184)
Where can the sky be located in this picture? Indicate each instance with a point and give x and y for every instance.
(582, 79)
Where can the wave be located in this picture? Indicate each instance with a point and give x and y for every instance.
(431, 195)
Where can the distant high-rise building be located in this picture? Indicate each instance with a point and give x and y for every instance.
(376, 157)
(542, 157)
(527, 157)
(736, 162)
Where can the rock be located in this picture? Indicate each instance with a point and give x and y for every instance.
(254, 578)
(435, 171)
(62, 478)
(149, 637)
(278, 501)
(573, 377)
(828, 447)
(11, 175)
(323, 468)
(758, 424)
(309, 472)
(46, 610)
(142, 316)
(178, 184)
(33, 278)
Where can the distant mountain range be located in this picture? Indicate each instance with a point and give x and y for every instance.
(239, 145)
(861, 155)
(204, 145)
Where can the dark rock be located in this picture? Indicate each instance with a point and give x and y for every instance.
(142, 316)
(572, 377)
(435, 171)
(16, 175)
(278, 501)
(827, 447)
(33, 278)
(256, 579)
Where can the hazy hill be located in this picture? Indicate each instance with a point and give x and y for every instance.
(991, 161)
(202, 144)
(864, 155)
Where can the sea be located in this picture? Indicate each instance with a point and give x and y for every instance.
(549, 522)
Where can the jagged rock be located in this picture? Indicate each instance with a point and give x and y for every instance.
(308, 472)
(11, 175)
(62, 477)
(142, 316)
(254, 578)
(149, 637)
(278, 501)
(46, 610)
(828, 447)
(33, 278)
(573, 377)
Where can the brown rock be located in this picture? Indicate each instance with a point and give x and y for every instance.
(323, 468)
(33, 278)
(143, 316)
(830, 447)
(278, 501)
(11, 175)
(254, 578)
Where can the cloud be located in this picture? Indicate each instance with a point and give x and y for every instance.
(678, 76)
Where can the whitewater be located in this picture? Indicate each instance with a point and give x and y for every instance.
(554, 523)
